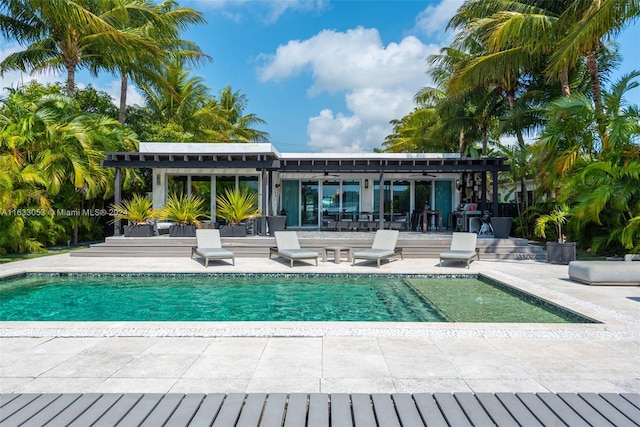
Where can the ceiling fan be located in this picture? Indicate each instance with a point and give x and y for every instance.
(326, 174)
(425, 174)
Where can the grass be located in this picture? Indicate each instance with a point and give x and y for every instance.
(50, 251)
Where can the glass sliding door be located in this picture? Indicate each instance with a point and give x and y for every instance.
(444, 200)
(291, 201)
(309, 203)
(177, 184)
(401, 197)
(201, 186)
(331, 199)
(248, 181)
(351, 199)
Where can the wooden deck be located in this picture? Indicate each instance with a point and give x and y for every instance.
(321, 409)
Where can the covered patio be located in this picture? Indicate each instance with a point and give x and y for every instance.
(410, 191)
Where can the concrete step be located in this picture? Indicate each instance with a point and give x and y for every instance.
(415, 245)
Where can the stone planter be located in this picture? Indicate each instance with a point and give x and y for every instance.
(276, 223)
(239, 230)
(561, 253)
(177, 230)
(143, 230)
(501, 226)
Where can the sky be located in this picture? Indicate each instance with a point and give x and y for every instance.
(326, 76)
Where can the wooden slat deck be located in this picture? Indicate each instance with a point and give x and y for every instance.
(321, 409)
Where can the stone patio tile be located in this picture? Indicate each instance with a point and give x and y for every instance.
(236, 365)
(135, 385)
(122, 345)
(291, 358)
(585, 386)
(357, 385)
(179, 345)
(248, 345)
(89, 366)
(156, 366)
(431, 385)
(14, 385)
(62, 385)
(209, 385)
(353, 357)
(21, 345)
(17, 365)
(416, 358)
(522, 385)
(306, 384)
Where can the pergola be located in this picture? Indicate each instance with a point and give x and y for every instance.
(268, 161)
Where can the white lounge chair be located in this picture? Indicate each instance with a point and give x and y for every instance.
(463, 248)
(210, 246)
(384, 246)
(287, 246)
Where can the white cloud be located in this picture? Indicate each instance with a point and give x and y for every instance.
(12, 79)
(378, 82)
(433, 20)
(133, 96)
(266, 11)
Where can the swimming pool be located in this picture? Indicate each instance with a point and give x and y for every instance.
(271, 297)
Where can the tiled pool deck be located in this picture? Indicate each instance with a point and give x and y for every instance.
(330, 357)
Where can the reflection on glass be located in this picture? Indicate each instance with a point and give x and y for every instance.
(201, 186)
(249, 181)
(331, 199)
(351, 197)
(309, 203)
(177, 184)
(401, 196)
(224, 182)
(423, 194)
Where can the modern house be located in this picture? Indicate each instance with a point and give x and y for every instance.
(316, 188)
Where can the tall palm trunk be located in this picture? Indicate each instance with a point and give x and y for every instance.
(511, 98)
(564, 82)
(461, 146)
(596, 90)
(123, 98)
(71, 81)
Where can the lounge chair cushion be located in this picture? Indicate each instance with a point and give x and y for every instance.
(383, 246)
(210, 246)
(214, 253)
(373, 253)
(288, 247)
(298, 253)
(605, 272)
(463, 248)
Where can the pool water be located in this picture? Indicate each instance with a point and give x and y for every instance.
(267, 298)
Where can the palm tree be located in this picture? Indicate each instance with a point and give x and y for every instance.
(602, 185)
(589, 23)
(182, 100)
(232, 125)
(67, 35)
(161, 25)
(52, 152)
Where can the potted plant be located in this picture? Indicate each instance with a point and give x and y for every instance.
(235, 206)
(560, 252)
(501, 226)
(185, 211)
(139, 213)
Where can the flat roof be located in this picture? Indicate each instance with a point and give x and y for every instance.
(265, 156)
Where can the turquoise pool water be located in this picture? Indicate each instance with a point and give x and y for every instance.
(254, 297)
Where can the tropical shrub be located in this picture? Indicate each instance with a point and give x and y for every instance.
(235, 206)
(184, 209)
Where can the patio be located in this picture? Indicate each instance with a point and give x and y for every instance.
(330, 357)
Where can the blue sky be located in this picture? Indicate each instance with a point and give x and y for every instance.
(325, 75)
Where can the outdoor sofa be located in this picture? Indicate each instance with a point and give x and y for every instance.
(605, 272)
